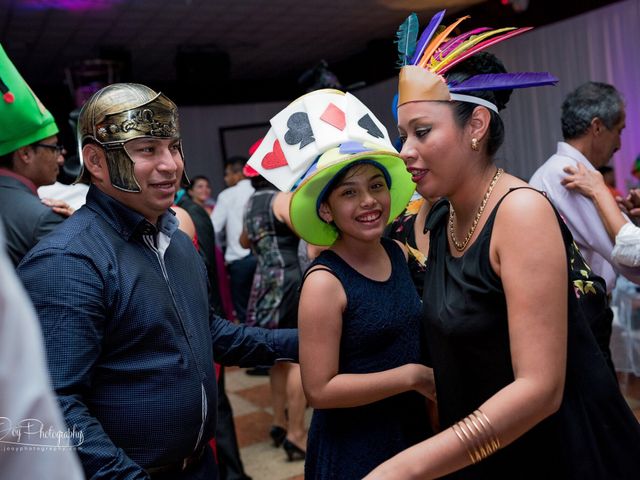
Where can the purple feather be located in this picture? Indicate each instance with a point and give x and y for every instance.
(503, 81)
(451, 45)
(426, 36)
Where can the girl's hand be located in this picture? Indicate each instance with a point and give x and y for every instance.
(421, 378)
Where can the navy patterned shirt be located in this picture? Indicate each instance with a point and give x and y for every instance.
(131, 339)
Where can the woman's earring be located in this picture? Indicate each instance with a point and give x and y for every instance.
(474, 144)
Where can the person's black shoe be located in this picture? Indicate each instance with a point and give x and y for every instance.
(278, 435)
(258, 371)
(293, 451)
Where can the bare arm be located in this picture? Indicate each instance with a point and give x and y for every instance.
(244, 239)
(281, 207)
(537, 317)
(591, 184)
(314, 250)
(186, 224)
(320, 331)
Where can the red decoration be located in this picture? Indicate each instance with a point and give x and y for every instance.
(334, 117)
(275, 158)
(8, 97)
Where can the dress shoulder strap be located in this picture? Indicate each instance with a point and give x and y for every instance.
(566, 233)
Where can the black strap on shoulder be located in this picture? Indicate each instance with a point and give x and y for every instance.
(564, 229)
(316, 268)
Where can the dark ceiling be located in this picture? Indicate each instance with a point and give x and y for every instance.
(227, 51)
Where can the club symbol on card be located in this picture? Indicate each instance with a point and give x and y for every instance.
(274, 158)
(299, 130)
(334, 117)
(372, 129)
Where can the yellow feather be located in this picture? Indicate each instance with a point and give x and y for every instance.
(436, 66)
(435, 43)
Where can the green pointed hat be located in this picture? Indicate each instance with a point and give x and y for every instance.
(23, 118)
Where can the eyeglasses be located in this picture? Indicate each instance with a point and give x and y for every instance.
(58, 148)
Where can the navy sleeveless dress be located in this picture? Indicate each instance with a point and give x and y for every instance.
(380, 331)
(593, 435)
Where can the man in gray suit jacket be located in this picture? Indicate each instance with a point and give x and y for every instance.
(30, 157)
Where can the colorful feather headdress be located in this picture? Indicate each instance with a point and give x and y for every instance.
(424, 61)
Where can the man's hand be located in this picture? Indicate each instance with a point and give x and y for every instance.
(58, 206)
(631, 203)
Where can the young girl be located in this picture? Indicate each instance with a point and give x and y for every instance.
(358, 321)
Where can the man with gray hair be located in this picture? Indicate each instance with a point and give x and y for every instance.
(593, 117)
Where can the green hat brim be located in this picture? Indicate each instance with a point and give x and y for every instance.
(303, 208)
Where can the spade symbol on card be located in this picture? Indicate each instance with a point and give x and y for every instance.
(372, 129)
(274, 158)
(299, 130)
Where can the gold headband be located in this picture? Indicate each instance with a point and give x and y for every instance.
(418, 84)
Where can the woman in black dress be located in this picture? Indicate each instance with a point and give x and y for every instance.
(523, 389)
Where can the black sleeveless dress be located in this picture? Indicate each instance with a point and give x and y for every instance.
(380, 331)
(594, 435)
(273, 301)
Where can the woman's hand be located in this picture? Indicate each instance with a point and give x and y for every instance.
(58, 206)
(587, 182)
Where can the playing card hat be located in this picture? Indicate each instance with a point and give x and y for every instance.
(23, 118)
(308, 127)
(318, 181)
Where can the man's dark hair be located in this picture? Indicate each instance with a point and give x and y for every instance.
(605, 169)
(236, 163)
(6, 161)
(588, 101)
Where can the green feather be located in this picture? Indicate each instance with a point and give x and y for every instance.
(407, 38)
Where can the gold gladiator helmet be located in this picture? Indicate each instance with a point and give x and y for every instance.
(122, 112)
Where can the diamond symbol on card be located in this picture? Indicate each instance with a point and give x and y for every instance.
(334, 117)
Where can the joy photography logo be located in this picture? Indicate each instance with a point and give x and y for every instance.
(33, 434)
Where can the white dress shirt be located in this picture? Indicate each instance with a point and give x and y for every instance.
(627, 249)
(227, 218)
(75, 195)
(580, 215)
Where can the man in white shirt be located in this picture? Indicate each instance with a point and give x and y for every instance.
(227, 218)
(593, 117)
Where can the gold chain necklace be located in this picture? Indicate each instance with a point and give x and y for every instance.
(460, 246)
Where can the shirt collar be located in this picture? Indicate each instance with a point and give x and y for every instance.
(126, 221)
(567, 150)
(24, 180)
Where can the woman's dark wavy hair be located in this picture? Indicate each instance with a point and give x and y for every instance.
(483, 62)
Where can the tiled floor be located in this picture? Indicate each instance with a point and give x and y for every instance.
(250, 398)
(630, 386)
